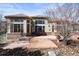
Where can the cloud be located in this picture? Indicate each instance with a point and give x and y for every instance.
(15, 9)
(25, 8)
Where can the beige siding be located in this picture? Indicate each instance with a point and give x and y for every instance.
(8, 25)
(25, 26)
(48, 26)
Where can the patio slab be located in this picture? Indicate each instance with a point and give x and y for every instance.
(35, 42)
(42, 43)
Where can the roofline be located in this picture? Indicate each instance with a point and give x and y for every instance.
(27, 17)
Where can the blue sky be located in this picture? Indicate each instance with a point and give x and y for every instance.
(25, 8)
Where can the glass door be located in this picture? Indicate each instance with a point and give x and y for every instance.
(39, 28)
(18, 27)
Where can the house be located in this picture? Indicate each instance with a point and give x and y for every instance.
(21, 24)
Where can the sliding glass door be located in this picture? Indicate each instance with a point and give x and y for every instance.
(39, 28)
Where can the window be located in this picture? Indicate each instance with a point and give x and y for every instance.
(28, 26)
(39, 22)
(16, 20)
(53, 28)
(43, 28)
(28, 21)
(40, 28)
(16, 27)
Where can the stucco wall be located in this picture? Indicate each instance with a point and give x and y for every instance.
(8, 25)
(25, 26)
(48, 26)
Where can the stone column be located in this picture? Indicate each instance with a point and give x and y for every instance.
(8, 26)
(25, 26)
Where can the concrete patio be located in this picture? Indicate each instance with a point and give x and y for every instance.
(35, 42)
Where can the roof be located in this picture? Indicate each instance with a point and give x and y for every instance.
(39, 17)
(55, 21)
(25, 16)
(17, 16)
(58, 21)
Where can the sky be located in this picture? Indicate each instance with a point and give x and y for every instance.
(25, 8)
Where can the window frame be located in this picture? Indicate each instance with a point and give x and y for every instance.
(39, 21)
(17, 20)
(18, 28)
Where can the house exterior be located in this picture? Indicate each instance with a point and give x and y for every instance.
(22, 24)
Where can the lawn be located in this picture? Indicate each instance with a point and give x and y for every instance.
(3, 37)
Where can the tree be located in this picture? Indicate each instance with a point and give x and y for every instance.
(68, 13)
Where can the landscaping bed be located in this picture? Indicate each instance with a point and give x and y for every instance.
(62, 50)
(68, 50)
(20, 52)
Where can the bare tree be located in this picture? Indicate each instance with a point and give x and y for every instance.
(68, 13)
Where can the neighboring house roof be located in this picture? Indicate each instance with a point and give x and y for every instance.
(59, 21)
(55, 21)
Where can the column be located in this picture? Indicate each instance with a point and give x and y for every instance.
(30, 26)
(24, 26)
(55, 27)
(8, 26)
(33, 26)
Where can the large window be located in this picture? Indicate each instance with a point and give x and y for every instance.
(39, 22)
(40, 28)
(16, 27)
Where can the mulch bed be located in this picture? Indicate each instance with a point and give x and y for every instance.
(62, 50)
(20, 52)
